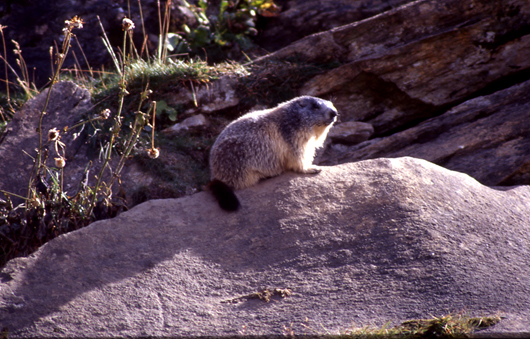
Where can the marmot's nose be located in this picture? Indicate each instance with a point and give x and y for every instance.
(333, 114)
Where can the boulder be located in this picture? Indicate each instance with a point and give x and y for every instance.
(396, 71)
(216, 96)
(358, 244)
(486, 137)
(350, 132)
(67, 105)
(195, 121)
(299, 18)
(425, 84)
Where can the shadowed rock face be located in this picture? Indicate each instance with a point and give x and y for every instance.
(486, 137)
(449, 86)
(417, 73)
(68, 105)
(397, 71)
(300, 18)
(359, 243)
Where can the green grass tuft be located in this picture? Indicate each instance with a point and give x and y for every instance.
(448, 326)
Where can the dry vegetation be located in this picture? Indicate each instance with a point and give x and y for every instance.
(127, 117)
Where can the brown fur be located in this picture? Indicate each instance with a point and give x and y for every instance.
(266, 143)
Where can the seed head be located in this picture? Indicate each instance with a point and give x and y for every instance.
(127, 24)
(60, 162)
(17, 49)
(76, 22)
(53, 134)
(35, 202)
(153, 153)
(105, 114)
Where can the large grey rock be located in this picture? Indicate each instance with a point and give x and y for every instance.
(68, 105)
(443, 86)
(486, 137)
(396, 71)
(350, 132)
(358, 244)
(299, 18)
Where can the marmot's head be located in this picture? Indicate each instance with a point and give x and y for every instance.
(318, 112)
(307, 114)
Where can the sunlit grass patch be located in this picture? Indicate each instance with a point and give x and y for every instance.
(449, 326)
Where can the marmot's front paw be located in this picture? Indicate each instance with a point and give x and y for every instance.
(312, 170)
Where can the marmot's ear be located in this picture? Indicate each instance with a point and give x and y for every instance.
(303, 102)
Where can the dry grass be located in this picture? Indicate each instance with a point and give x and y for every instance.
(449, 326)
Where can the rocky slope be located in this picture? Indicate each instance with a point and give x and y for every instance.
(426, 62)
(445, 81)
(358, 244)
(364, 242)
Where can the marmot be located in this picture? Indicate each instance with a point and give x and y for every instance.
(266, 143)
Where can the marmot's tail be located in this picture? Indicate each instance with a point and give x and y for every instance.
(224, 194)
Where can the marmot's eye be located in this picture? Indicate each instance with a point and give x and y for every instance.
(315, 105)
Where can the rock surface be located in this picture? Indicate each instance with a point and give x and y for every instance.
(299, 18)
(359, 244)
(397, 71)
(191, 122)
(486, 137)
(417, 83)
(68, 103)
(350, 132)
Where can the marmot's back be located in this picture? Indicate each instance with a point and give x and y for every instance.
(266, 143)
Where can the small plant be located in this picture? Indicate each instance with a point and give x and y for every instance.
(448, 326)
(48, 210)
(123, 127)
(8, 104)
(229, 30)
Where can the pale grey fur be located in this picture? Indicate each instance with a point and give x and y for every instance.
(266, 143)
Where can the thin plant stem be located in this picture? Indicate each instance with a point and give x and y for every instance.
(129, 145)
(13, 194)
(51, 58)
(124, 53)
(139, 121)
(143, 31)
(159, 54)
(5, 64)
(84, 56)
(153, 125)
(62, 179)
(85, 122)
(115, 131)
(62, 56)
(109, 48)
(78, 70)
(167, 18)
